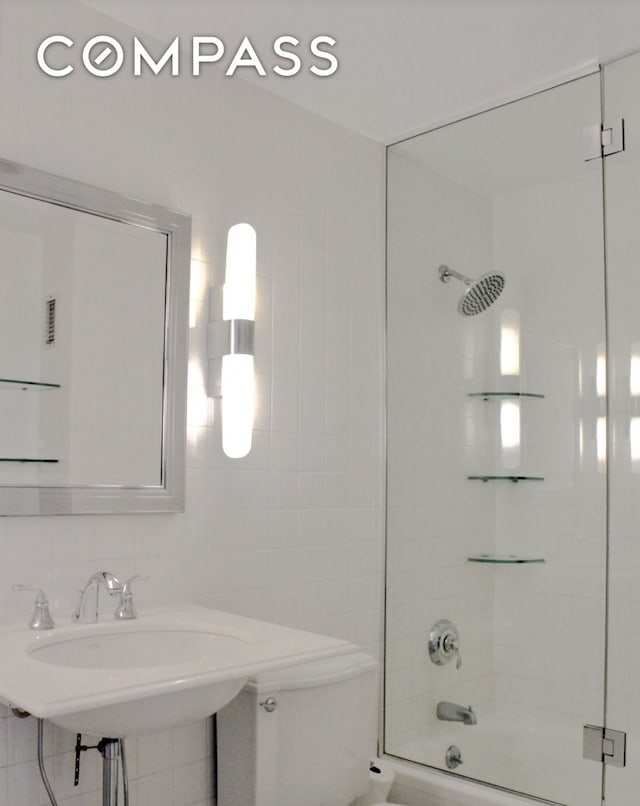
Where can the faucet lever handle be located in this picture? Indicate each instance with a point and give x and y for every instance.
(126, 588)
(41, 618)
(126, 609)
(42, 596)
(451, 645)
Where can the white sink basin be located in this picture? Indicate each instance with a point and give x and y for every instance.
(142, 649)
(172, 666)
(133, 648)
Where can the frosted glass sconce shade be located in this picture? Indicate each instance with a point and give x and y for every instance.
(238, 306)
(239, 295)
(232, 340)
(238, 405)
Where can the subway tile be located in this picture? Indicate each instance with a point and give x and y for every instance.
(156, 789)
(193, 742)
(192, 783)
(152, 753)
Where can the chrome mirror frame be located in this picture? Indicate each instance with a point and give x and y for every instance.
(168, 496)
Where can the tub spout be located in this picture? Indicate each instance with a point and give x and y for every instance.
(452, 712)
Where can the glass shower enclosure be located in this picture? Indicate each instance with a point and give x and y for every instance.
(513, 444)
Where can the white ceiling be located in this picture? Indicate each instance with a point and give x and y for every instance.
(406, 65)
(515, 147)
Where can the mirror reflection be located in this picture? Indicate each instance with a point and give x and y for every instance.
(90, 305)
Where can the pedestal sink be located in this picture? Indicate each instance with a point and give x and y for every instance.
(168, 667)
(139, 648)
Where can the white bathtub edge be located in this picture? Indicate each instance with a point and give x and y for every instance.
(415, 786)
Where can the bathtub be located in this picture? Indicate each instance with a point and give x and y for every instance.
(419, 787)
(527, 754)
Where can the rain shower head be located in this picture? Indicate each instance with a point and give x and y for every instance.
(480, 294)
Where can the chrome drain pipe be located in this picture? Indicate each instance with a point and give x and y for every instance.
(110, 749)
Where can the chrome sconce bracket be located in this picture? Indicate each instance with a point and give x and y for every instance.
(225, 337)
(231, 337)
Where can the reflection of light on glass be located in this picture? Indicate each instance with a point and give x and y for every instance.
(509, 342)
(580, 381)
(198, 406)
(601, 439)
(581, 440)
(196, 289)
(634, 370)
(510, 432)
(634, 441)
(470, 430)
(601, 374)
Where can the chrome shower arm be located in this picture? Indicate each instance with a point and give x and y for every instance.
(445, 274)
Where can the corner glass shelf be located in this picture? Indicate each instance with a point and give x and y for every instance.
(504, 559)
(514, 479)
(13, 383)
(24, 460)
(490, 395)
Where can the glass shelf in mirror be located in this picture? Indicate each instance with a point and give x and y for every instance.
(491, 395)
(13, 383)
(504, 559)
(23, 460)
(514, 479)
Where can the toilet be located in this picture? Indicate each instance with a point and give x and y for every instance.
(300, 736)
(381, 778)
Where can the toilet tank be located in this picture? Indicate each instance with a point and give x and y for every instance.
(300, 736)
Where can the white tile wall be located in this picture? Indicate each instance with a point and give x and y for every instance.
(293, 533)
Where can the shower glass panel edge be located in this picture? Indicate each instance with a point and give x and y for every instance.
(505, 191)
(621, 80)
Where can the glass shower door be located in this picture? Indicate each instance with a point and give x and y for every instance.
(496, 442)
(621, 81)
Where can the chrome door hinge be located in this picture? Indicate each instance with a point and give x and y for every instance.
(604, 745)
(602, 140)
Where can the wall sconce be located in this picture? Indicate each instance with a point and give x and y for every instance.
(231, 342)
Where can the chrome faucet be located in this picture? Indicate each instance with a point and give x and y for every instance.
(89, 615)
(451, 712)
(126, 609)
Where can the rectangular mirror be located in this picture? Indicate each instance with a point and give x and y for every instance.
(94, 296)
